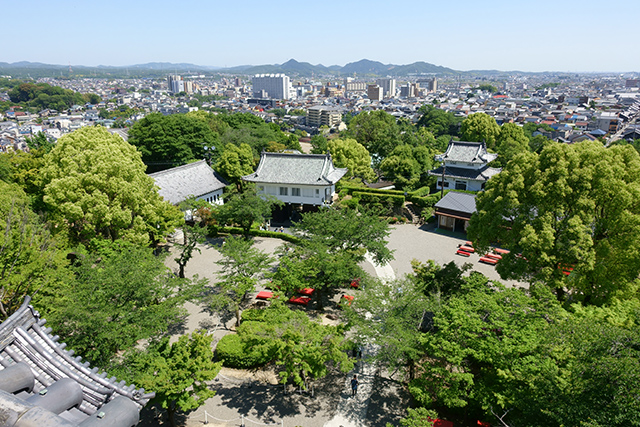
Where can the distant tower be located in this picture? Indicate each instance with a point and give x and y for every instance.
(70, 70)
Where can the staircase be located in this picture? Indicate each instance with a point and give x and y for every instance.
(415, 218)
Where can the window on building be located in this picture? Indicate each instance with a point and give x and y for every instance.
(295, 192)
(317, 193)
(461, 185)
(284, 191)
(446, 184)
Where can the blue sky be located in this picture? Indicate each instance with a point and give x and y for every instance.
(537, 35)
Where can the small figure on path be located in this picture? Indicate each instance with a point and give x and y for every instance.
(354, 385)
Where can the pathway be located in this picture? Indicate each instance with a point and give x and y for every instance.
(352, 411)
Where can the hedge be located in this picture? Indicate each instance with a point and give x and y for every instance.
(351, 190)
(371, 197)
(215, 230)
(235, 352)
(254, 314)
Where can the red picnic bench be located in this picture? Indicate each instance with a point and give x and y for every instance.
(264, 295)
(348, 299)
(300, 300)
(466, 248)
(306, 291)
(494, 256)
(501, 251)
(463, 253)
(488, 260)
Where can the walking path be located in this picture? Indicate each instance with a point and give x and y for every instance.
(352, 412)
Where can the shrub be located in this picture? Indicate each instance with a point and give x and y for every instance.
(235, 351)
(254, 314)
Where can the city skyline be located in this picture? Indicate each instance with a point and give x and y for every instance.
(501, 35)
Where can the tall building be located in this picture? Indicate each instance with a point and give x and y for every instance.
(175, 84)
(321, 115)
(388, 86)
(374, 93)
(355, 86)
(275, 86)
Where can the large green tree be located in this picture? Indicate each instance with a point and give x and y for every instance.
(407, 166)
(573, 208)
(480, 127)
(121, 293)
(437, 121)
(178, 373)
(235, 162)
(245, 209)
(510, 142)
(95, 186)
(348, 153)
(30, 261)
(377, 131)
(242, 266)
(173, 140)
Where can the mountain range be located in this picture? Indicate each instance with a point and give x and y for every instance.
(292, 68)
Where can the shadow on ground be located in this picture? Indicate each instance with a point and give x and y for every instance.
(389, 402)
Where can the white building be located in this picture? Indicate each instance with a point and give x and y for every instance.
(323, 115)
(297, 179)
(274, 86)
(175, 84)
(465, 166)
(194, 179)
(388, 86)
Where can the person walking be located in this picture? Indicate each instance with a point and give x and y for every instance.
(354, 385)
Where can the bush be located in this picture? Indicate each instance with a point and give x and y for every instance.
(237, 352)
(383, 204)
(214, 230)
(353, 189)
(420, 192)
(254, 314)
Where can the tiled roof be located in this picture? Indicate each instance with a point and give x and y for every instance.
(482, 174)
(296, 168)
(459, 202)
(194, 179)
(43, 383)
(468, 152)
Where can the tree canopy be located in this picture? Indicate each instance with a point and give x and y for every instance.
(570, 217)
(348, 153)
(170, 141)
(480, 127)
(376, 130)
(95, 185)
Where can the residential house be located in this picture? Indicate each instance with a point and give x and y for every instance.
(464, 166)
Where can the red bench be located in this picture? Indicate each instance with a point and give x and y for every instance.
(501, 251)
(300, 300)
(355, 283)
(494, 256)
(306, 291)
(488, 260)
(463, 253)
(264, 295)
(466, 249)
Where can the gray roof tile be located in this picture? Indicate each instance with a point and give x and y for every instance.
(468, 152)
(482, 174)
(193, 179)
(296, 168)
(459, 202)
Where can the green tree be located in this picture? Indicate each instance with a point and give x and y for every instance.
(480, 127)
(169, 141)
(437, 121)
(510, 142)
(178, 373)
(235, 162)
(377, 131)
(95, 186)
(389, 316)
(319, 144)
(242, 265)
(30, 261)
(39, 142)
(192, 236)
(408, 166)
(335, 241)
(121, 293)
(570, 209)
(245, 209)
(348, 153)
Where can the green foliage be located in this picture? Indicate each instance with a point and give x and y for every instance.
(571, 206)
(419, 417)
(407, 166)
(444, 281)
(30, 262)
(480, 127)
(39, 142)
(510, 142)
(235, 162)
(245, 209)
(437, 121)
(488, 88)
(350, 189)
(383, 204)
(178, 373)
(43, 95)
(377, 131)
(169, 141)
(241, 267)
(245, 350)
(192, 236)
(121, 293)
(95, 186)
(348, 153)
(319, 144)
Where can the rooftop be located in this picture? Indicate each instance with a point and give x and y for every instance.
(467, 152)
(194, 179)
(296, 168)
(459, 202)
